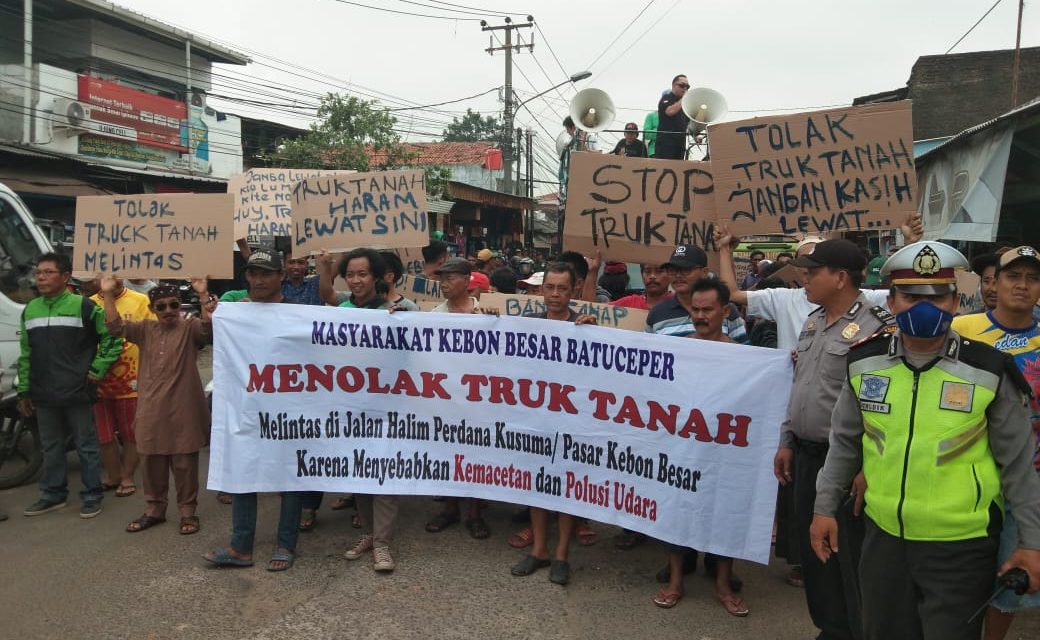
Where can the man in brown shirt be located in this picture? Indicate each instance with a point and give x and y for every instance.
(172, 420)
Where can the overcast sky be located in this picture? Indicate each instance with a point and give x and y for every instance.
(763, 55)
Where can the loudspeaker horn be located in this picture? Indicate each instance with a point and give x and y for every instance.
(704, 106)
(592, 110)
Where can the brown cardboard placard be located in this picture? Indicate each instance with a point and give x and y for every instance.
(607, 315)
(380, 210)
(174, 235)
(418, 288)
(849, 169)
(790, 274)
(263, 199)
(968, 293)
(638, 209)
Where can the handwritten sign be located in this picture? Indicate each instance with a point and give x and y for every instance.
(412, 259)
(968, 292)
(381, 210)
(607, 315)
(154, 235)
(638, 209)
(419, 289)
(263, 199)
(846, 169)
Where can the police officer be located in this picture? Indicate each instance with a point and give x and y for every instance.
(834, 274)
(940, 428)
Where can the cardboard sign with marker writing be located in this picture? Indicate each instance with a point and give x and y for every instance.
(381, 210)
(968, 293)
(849, 169)
(638, 209)
(263, 199)
(419, 289)
(154, 235)
(607, 315)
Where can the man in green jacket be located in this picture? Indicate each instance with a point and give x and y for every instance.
(65, 351)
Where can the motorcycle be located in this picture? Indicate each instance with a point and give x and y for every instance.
(21, 455)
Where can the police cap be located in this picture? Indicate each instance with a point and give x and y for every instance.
(925, 268)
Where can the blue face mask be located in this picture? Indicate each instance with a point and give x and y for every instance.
(924, 320)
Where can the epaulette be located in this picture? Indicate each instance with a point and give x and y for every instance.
(884, 332)
(986, 357)
(883, 315)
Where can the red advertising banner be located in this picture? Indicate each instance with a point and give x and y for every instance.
(121, 112)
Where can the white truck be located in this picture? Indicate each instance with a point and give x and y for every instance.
(21, 243)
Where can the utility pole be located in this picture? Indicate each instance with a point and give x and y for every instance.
(1018, 56)
(530, 191)
(509, 47)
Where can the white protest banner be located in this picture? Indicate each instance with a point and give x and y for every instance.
(380, 210)
(849, 169)
(263, 199)
(150, 235)
(638, 209)
(607, 315)
(669, 436)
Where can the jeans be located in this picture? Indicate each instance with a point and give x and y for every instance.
(243, 521)
(54, 423)
(311, 499)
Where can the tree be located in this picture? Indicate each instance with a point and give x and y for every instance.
(473, 128)
(347, 131)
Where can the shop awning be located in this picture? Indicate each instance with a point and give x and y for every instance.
(48, 185)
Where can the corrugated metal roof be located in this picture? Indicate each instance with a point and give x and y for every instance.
(1030, 109)
(436, 205)
(437, 153)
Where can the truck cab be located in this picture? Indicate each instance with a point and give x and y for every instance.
(21, 243)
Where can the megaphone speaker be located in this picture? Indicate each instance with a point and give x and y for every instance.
(592, 110)
(704, 105)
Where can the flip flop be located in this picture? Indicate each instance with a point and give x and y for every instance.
(223, 498)
(667, 599)
(308, 519)
(477, 528)
(734, 605)
(281, 556)
(342, 503)
(189, 525)
(126, 490)
(223, 558)
(522, 538)
(144, 522)
(442, 521)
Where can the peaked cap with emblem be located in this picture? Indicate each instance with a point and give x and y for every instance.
(925, 268)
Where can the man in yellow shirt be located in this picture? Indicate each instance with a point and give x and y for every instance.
(117, 399)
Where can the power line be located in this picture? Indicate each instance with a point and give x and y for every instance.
(406, 13)
(549, 46)
(638, 40)
(623, 31)
(462, 6)
(437, 104)
(977, 23)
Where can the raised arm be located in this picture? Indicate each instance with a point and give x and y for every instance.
(326, 276)
(726, 241)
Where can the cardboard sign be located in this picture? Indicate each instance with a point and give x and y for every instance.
(154, 235)
(607, 315)
(968, 291)
(412, 259)
(419, 289)
(381, 210)
(790, 274)
(848, 169)
(638, 209)
(263, 199)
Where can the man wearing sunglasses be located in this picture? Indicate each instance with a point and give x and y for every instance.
(172, 420)
(672, 122)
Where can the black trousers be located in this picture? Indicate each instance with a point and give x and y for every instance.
(832, 589)
(925, 590)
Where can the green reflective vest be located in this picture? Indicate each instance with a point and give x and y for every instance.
(930, 473)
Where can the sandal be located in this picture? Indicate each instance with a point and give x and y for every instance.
(522, 539)
(734, 605)
(477, 528)
(189, 525)
(667, 599)
(308, 518)
(281, 555)
(528, 565)
(126, 490)
(144, 522)
(223, 558)
(355, 521)
(223, 498)
(341, 503)
(585, 534)
(441, 521)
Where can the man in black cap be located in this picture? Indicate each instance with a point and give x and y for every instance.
(834, 275)
(687, 265)
(630, 145)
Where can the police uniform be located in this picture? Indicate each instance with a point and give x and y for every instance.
(831, 589)
(941, 438)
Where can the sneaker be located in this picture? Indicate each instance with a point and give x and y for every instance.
(90, 509)
(363, 546)
(42, 506)
(383, 560)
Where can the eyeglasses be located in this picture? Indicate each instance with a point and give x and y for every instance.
(173, 305)
(46, 272)
(682, 85)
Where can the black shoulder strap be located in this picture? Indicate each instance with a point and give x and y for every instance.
(882, 314)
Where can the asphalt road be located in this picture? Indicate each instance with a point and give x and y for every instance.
(64, 577)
